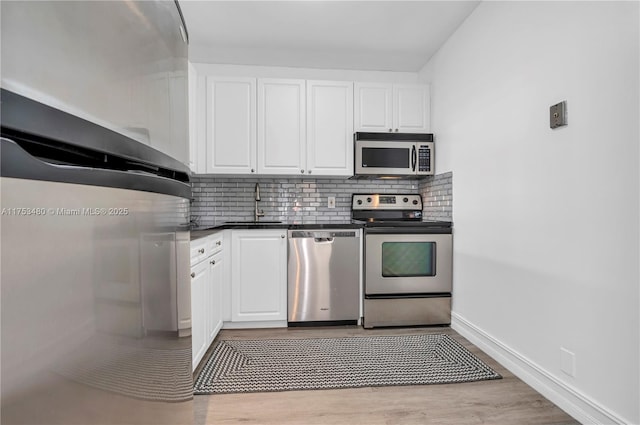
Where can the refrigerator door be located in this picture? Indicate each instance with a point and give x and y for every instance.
(95, 305)
(119, 64)
(95, 327)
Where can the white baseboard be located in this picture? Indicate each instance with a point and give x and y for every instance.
(569, 399)
(255, 325)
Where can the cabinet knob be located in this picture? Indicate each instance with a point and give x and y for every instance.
(396, 130)
(212, 262)
(253, 171)
(309, 171)
(282, 236)
(302, 171)
(390, 130)
(193, 274)
(201, 250)
(218, 243)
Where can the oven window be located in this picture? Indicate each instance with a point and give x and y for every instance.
(385, 157)
(408, 259)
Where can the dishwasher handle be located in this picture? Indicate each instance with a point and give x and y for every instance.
(322, 236)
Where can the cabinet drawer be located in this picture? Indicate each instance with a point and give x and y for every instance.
(206, 247)
(198, 251)
(214, 243)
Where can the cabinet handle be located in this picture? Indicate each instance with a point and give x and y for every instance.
(302, 171)
(390, 130)
(218, 243)
(201, 250)
(193, 274)
(253, 171)
(309, 171)
(212, 262)
(396, 130)
(282, 236)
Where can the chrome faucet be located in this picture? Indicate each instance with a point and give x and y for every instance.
(258, 213)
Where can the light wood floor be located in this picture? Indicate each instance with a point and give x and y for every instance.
(505, 401)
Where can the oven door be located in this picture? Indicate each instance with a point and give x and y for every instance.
(408, 263)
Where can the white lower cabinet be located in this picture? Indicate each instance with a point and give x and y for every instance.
(199, 281)
(259, 276)
(214, 297)
(206, 294)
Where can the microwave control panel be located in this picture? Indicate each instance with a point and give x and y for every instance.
(424, 158)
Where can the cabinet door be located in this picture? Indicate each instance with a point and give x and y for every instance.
(373, 105)
(411, 108)
(214, 297)
(281, 126)
(184, 285)
(178, 145)
(199, 283)
(231, 125)
(193, 112)
(259, 275)
(330, 128)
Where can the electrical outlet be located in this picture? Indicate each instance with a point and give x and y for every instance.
(331, 202)
(567, 362)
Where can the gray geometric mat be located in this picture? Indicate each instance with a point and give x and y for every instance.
(141, 372)
(237, 366)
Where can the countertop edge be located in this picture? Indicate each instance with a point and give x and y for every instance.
(199, 234)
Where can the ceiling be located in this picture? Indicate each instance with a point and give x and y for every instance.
(363, 35)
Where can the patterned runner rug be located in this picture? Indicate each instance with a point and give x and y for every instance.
(237, 366)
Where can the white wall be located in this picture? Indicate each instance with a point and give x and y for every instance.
(546, 221)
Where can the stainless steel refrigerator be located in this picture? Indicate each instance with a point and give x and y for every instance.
(95, 296)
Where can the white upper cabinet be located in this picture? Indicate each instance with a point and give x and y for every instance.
(330, 128)
(281, 126)
(230, 125)
(193, 132)
(373, 107)
(411, 108)
(398, 108)
(273, 126)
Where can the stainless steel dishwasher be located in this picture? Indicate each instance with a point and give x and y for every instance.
(323, 277)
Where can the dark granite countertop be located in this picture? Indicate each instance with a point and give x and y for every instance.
(202, 233)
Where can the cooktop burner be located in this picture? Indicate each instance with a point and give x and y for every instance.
(391, 210)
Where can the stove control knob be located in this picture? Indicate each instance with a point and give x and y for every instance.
(415, 202)
(405, 199)
(359, 201)
(368, 199)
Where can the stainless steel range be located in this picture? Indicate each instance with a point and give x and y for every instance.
(407, 262)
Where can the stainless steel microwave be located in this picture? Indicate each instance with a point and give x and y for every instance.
(400, 155)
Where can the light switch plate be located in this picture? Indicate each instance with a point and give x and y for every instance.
(558, 114)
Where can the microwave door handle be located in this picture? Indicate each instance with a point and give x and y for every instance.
(413, 158)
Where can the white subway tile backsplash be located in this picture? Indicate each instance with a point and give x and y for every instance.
(437, 196)
(219, 199)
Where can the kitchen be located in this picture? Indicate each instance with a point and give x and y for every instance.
(531, 285)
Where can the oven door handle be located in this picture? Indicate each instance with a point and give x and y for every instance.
(413, 158)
